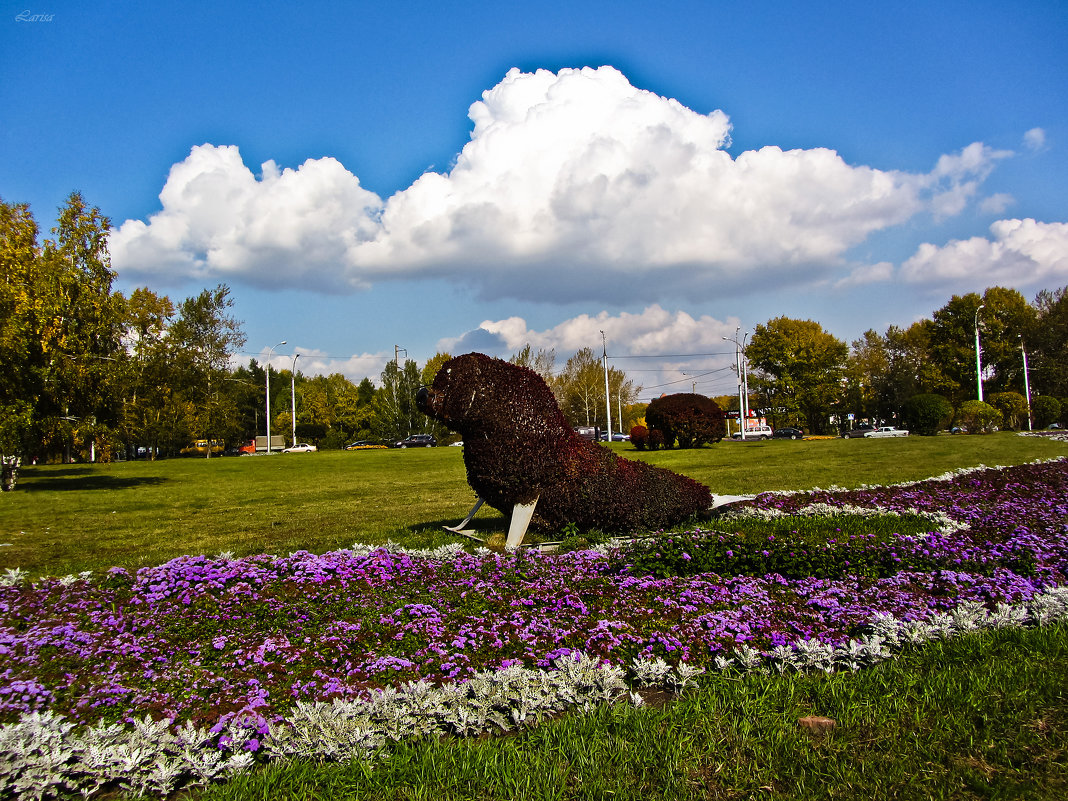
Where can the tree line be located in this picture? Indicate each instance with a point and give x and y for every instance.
(93, 374)
(803, 375)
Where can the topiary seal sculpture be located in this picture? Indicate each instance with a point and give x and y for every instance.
(523, 458)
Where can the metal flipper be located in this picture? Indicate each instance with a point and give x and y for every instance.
(517, 529)
(459, 529)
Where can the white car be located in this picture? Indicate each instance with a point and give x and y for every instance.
(303, 447)
(754, 432)
(886, 431)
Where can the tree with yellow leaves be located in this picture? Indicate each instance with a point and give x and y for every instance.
(60, 331)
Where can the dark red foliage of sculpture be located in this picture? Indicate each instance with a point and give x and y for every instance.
(692, 420)
(518, 446)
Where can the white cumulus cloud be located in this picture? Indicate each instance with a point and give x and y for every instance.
(286, 228)
(866, 274)
(571, 181)
(1035, 139)
(996, 203)
(1018, 253)
(313, 361)
(686, 348)
(653, 331)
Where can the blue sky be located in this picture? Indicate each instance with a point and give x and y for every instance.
(663, 172)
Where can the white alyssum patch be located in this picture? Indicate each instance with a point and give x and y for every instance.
(1056, 436)
(949, 475)
(12, 576)
(939, 520)
(44, 755)
(443, 553)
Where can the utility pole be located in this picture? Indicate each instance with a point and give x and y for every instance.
(743, 381)
(607, 396)
(978, 362)
(396, 354)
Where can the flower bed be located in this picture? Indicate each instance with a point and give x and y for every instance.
(234, 647)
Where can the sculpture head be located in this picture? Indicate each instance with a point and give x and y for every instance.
(475, 395)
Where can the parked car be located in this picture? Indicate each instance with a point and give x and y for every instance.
(754, 432)
(302, 447)
(200, 448)
(417, 441)
(617, 436)
(861, 430)
(887, 431)
(788, 433)
(364, 445)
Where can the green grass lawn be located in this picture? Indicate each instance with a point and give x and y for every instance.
(67, 518)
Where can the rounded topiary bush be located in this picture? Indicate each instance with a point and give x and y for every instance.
(656, 439)
(927, 414)
(1013, 408)
(977, 417)
(639, 437)
(691, 420)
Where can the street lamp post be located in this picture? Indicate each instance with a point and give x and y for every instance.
(293, 395)
(978, 361)
(270, 353)
(1027, 384)
(743, 382)
(745, 377)
(607, 396)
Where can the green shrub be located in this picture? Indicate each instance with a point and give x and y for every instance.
(691, 420)
(1046, 410)
(977, 417)
(334, 440)
(1013, 408)
(927, 414)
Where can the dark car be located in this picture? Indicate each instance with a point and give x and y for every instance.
(417, 441)
(787, 433)
(859, 431)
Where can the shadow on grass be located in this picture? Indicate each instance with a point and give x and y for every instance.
(76, 480)
(479, 528)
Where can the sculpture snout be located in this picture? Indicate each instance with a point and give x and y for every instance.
(423, 400)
